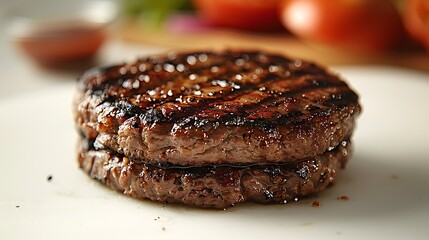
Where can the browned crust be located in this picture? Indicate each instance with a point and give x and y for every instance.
(215, 187)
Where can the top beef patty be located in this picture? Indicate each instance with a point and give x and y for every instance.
(227, 107)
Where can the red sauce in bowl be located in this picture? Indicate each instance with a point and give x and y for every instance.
(55, 46)
(64, 32)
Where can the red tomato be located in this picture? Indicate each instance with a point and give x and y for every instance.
(261, 15)
(360, 25)
(416, 19)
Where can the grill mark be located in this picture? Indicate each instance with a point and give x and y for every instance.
(111, 84)
(286, 95)
(205, 103)
(154, 115)
(291, 117)
(343, 98)
(89, 79)
(113, 74)
(270, 99)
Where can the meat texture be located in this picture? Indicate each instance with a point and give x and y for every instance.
(213, 129)
(215, 186)
(210, 108)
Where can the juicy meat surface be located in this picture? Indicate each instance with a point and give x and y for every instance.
(204, 108)
(215, 186)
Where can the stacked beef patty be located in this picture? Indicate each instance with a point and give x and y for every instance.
(212, 129)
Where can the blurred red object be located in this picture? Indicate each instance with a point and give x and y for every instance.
(62, 31)
(57, 46)
(416, 20)
(255, 15)
(369, 26)
(185, 23)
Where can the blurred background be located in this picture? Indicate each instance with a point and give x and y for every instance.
(58, 39)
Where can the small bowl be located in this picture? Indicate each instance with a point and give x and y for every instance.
(63, 31)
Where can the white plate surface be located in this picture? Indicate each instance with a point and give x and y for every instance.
(386, 180)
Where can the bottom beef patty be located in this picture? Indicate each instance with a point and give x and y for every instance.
(215, 186)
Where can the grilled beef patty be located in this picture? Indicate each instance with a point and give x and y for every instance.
(215, 186)
(229, 107)
(212, 129)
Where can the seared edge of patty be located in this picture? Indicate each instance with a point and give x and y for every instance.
(215, 186)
